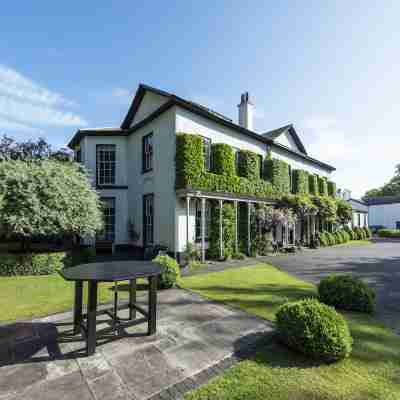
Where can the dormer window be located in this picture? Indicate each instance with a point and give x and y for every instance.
(105, 164)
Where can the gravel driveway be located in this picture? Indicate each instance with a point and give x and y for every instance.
(378, 264)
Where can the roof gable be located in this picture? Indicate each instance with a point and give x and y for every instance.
(286, 136)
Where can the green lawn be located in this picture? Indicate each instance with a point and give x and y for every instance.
(354, 243)
(25, 297)
(372, 372)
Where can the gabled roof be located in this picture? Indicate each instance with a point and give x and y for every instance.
(173, 100)
(375, 201)
(274, 134)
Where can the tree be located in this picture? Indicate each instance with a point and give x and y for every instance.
(47, 198)
(10, 149)
(392, 188)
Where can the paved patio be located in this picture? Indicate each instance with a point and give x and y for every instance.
(42, 360)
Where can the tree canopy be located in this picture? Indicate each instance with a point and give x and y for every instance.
(392, 188)
(10, 149)
(47, 198)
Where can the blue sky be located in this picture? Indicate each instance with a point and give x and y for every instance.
(331, 68)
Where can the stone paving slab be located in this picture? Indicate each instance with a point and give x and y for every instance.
(195, 340)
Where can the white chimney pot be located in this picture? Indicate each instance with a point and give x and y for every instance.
(246, 111)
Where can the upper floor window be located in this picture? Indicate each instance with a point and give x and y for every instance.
(147, 152)
(207, 153)
(261, 161)
(105, 164)
(237, 155)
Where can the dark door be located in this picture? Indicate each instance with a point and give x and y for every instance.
(148, 219)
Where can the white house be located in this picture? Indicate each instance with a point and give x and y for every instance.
(360, 209)
(384, 211)
(133, 166)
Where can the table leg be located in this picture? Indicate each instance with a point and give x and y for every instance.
(152, 324)
(132, 299)
(91, 318)
(78, 307)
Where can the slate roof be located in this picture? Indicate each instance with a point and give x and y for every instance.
(375, 201)
(275, 133)
(196, 108)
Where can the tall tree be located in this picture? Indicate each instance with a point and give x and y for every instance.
(10, 149)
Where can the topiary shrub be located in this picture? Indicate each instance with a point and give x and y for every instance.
(170, 272)
(300, 181)
(368, 233)
(347, 292)
(351, 233)
(324, 239)
(277, 172)
(249, 165)
(313, 184)
(31, 263)
(223, 159)
(331, 238)
(314, 329)
(359, 233)
(322, 186)
(345, 236)
(338, 237)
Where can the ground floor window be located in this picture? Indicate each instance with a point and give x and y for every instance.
(148, 219)
(198, 219)
(108, 232)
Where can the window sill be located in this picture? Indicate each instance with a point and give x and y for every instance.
(111, 187)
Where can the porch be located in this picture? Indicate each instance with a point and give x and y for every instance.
(284, 234)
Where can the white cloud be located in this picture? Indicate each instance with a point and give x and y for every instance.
(26, 106)
(7, 126)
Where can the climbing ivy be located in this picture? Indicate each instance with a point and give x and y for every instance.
(331, 188)
(322, 186)
(277, 172)
(228, 231)
(313, 184)
(189, 159)
(249, 165)
(300, 181)
(223, 159)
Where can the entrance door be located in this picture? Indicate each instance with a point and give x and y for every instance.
(148, 219)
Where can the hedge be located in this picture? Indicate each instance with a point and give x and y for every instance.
(223, 159)
(277, 172)
(390, 233)
(300, 182)
(347, 293)
(249, 165)
(314, 329)
(322, 186)
(313, 184)
(31, 263)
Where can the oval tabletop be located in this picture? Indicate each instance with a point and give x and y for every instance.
(111, 271)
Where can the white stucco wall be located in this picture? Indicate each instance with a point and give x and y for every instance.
(297, 162)
(385, 214)
(160, 181)
(286, 140)
(150, 102)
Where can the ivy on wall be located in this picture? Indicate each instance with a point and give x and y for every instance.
(190, 172)
(249, 165)
(313, 184)
(228, 231)
(223, 159)
(189, 159)
(300, 181)
(322, 186)
(331, 189)
(277, 172)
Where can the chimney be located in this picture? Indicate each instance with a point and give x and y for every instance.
(246, 109)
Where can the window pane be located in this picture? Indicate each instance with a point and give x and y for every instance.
(207, 154)
(106, 159)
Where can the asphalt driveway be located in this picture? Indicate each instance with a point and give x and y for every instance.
(377, 264)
